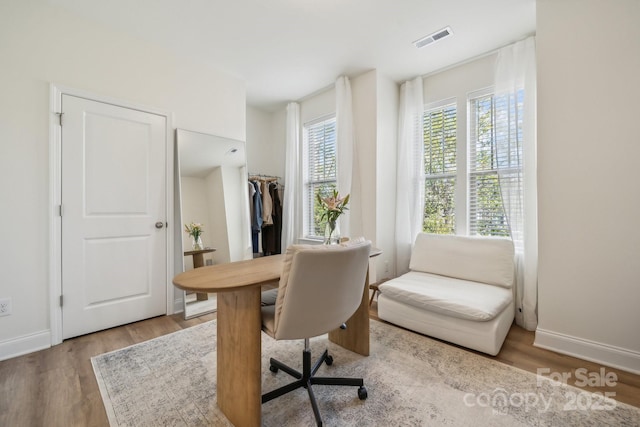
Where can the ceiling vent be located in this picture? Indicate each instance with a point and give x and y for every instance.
(433, 37)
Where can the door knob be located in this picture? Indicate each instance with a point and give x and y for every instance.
(159, 224)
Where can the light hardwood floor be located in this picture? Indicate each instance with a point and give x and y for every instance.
(57, 387)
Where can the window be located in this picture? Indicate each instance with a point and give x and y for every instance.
(495, 160)
(440, 169)
(320, 171)
(487, 178)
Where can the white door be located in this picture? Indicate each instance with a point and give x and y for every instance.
(114, 207)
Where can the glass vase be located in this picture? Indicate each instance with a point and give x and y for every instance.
(196, 243)
(332, 233)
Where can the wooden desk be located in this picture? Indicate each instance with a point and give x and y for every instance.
(239, 351)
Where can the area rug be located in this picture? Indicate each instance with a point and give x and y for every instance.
(411, 380)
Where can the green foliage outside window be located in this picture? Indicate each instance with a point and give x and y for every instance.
(439, 207)
(440, 140)
(495, 145)
(324, 190)
(495, 128)
(490, 219)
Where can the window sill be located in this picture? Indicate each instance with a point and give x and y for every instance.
(309, 241)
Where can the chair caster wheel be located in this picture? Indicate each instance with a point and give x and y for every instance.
(362, 393)
(329, 360)
(273, 369)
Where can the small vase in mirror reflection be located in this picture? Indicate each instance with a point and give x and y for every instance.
(195, 230)
(196, 243)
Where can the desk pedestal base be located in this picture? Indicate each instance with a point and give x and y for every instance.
(239, 356)
(356, 336)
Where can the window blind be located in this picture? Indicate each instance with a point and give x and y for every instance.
(321, 170)
(440, 139)
(495, 161)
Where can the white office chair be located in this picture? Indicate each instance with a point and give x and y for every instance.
(320, 288)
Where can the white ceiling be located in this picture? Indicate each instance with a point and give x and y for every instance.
(288, 49)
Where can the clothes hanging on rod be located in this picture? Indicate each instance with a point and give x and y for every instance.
(267, 204)
(255, 203)
(266, 214)
(271, 235)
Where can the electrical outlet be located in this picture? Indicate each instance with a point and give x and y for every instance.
(5, 306)
(209, 262)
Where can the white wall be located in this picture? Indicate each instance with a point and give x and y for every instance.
(236, 200)
(40, 44)
(265, 143)
(218, 232)
(317, 106)
(589, 198)
(279, 140)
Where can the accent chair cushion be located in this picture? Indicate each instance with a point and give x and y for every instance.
(451, 297)
(480, 259)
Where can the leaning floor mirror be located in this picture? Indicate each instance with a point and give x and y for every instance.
(214, 207)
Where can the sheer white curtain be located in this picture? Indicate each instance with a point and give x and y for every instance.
(410, 171)
(292, 176)
(516, 71)
(345, 147)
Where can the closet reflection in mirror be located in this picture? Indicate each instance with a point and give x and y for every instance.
(213, 193)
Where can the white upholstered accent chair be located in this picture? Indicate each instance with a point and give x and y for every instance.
(320, 288)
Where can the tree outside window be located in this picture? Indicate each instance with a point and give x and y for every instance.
(440, 169)
(494, 164)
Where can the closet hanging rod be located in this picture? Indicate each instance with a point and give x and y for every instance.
(263, 177)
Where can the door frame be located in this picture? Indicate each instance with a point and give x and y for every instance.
(55, 197)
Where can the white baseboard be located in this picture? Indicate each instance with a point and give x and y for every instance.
(178, 305)
(604, 354)
(25, 344)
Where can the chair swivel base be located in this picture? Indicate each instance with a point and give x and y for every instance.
(307, 378)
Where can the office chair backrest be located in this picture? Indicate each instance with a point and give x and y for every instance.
(321, 286)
